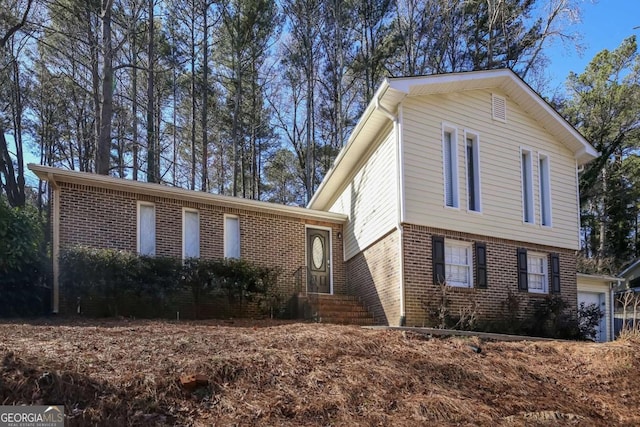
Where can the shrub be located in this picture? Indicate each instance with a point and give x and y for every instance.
(118, 278)
(113, 276)
(589, 317)
(439, 312)
(22, 261)
(552, 319)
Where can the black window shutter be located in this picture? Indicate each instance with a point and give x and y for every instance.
(437, 255)
(481, 265)
(555, 273)
(523, 280)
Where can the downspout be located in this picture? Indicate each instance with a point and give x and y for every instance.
(55, 245)
(397, 129)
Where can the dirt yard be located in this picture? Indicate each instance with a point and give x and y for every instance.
(292, 374)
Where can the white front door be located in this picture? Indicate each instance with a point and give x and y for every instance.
(589, 298)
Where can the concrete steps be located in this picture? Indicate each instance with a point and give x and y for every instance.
(339, 309)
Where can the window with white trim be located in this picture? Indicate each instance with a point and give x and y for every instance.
(231, 236)
(473, 172)
(458, 258)
(537, 273)
(545, 190)
(190, 233)
(146, 229)
(527, 187)
(450, 166)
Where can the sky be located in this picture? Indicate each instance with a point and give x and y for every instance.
(604, 25)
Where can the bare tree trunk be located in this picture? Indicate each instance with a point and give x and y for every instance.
(135, 144)
(193, 99)
(603, 219)
(11, 186)
(205, 90)
(235, 125)
(95, 91)
(103, 150)
(174, 166)
(153, 174)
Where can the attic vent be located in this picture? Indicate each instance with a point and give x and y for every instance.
(499, 106)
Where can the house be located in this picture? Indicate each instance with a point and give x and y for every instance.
(631, 275)
(153, 219)
(466, 178)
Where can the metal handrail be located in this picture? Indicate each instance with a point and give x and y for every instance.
(312, 297)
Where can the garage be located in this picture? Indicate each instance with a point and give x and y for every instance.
(597, 290)
(598, 299)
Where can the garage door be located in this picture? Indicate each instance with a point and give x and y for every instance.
(598, 299)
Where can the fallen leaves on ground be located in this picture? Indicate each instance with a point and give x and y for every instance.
(126, 372)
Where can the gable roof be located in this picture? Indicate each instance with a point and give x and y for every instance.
(56, 175)
(392, 91)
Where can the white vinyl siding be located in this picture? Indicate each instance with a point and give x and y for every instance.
(190, 233)
(450, 166)
(527, 187)
(537, 273)
(458, 258)
(231, 236)
(472, 164)
(146, 229)
(369, 198)
(499, 164)
(545, 190)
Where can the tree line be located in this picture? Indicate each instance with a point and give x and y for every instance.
(255, 98)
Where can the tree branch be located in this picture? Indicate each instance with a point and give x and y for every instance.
(15, 28)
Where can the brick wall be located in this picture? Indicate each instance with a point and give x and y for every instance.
(374, 276)
(106, 218)
(501, 276)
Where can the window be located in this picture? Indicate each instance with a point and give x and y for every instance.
(545, 191)
(533, 275)
(527, 187)
(537, 273)
(231, 236)
(146, 228)
(190, 233)
(473, 172)
(450, 156)
(458, 260)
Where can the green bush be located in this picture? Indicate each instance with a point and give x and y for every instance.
(589, 316)
(551, 318)
(118, 279)
(23, 263)
(114, 277)
(237, 280)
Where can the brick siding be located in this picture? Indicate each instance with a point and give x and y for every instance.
(501, 276)
(105, 218)
(374, 276)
